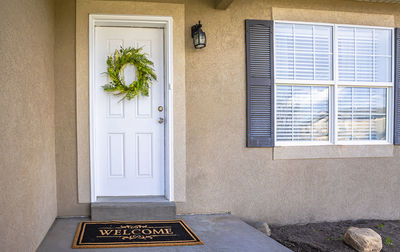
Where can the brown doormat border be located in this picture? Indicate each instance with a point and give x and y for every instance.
(175, 230)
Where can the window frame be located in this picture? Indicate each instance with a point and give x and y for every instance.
(333, 91)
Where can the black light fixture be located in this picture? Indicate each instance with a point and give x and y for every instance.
(199, 37)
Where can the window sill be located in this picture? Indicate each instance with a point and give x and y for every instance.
(332, 151)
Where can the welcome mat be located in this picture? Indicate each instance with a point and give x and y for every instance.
(115, 234)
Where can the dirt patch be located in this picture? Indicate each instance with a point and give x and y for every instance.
(328, 236)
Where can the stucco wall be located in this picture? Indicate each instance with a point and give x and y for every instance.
(65, 116)
(28, 202)
(225, 176)
(222, 175)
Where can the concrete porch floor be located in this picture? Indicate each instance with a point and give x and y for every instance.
(218, 232)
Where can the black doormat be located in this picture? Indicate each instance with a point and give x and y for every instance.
(115, 234)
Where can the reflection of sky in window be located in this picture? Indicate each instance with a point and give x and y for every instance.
(302, 113)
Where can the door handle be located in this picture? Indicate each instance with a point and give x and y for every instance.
(161, 120)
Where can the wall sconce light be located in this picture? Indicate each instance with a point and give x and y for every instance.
(199, 37)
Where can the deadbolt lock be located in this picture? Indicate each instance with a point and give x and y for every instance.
(160, 108)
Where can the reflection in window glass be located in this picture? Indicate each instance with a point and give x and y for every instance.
(302, 113)
(361, 113)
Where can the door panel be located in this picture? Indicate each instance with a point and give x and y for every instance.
(128, 138)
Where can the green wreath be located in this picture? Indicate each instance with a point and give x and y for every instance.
(144, 73)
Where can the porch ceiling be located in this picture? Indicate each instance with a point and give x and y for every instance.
(224, 4)
(380, 1)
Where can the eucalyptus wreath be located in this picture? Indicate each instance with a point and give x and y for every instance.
(144, 73)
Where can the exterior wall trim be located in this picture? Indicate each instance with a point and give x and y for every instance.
(332, 16)
(134, 21)
(333, 151)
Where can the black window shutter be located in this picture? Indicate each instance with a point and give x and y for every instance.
(397, 88)
(260, 83)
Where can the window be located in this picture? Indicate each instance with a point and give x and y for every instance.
(364, 54)
(303, 52)
(333, 84)
(302, 113)
(361, 114)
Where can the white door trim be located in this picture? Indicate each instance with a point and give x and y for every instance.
(137, 21)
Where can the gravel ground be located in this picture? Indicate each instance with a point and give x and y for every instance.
(328, 236)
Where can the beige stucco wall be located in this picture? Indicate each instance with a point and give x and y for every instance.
(65, 116)
(225, 176)
(222, 175)
(28, 202)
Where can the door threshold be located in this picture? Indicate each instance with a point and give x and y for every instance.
(101, 199)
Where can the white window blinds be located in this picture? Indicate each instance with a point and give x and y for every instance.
(303, 52)
(364, 54)
(302, 113)
(333, 83)
(361, 113)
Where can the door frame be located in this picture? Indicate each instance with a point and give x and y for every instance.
(142, 22)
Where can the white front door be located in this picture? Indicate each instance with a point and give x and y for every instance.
(128, 135)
